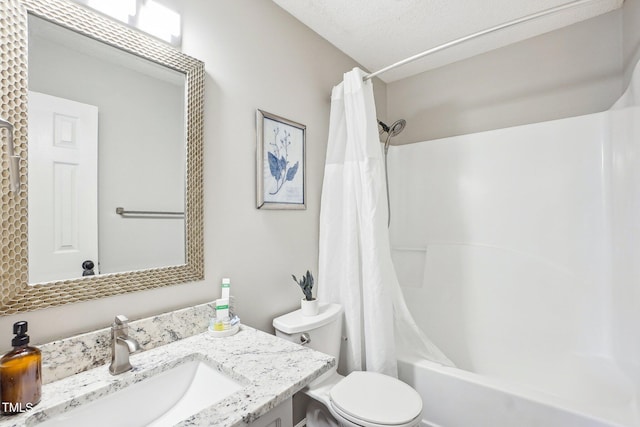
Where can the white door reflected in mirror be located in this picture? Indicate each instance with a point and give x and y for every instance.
(63, 187)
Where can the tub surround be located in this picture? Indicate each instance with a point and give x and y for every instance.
(271, 369)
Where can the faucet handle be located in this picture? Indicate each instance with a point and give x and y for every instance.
(121, 319)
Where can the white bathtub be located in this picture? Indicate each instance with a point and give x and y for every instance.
(517, 253)
(456, 398)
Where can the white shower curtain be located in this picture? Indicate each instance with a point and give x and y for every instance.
(355, 267)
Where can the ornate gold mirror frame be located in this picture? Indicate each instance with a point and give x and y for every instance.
(16, 295)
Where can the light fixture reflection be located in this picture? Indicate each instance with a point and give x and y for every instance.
(159, 21)
(146, 15)
(121, 10)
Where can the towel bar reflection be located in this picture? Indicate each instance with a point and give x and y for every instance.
(123, 212)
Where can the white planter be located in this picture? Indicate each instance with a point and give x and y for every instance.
(309, 308)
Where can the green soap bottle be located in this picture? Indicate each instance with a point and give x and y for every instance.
(20, 374)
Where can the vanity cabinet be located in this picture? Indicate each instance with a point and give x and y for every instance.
(280, 416)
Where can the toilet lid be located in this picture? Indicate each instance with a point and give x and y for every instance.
(375, 398)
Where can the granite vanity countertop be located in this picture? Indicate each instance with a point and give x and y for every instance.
(270, 369)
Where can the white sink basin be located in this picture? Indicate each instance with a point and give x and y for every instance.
(164, 399)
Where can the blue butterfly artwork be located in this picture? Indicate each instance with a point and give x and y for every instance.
(281, 169)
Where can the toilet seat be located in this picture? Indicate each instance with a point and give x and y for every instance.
(371, 399)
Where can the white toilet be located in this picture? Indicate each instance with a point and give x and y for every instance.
(361, 399)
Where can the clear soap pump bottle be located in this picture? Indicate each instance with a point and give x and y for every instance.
(20, 374)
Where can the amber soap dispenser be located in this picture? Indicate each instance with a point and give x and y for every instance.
(20, 374)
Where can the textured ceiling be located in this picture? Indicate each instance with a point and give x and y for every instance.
(377, 33)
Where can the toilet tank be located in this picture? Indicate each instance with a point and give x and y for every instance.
(324, 329)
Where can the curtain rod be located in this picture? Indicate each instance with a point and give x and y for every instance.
(478, 34)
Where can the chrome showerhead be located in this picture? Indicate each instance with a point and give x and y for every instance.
(397, 127)
(394, 129)
(391, 131)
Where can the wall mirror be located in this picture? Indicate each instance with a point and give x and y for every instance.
(108, 125)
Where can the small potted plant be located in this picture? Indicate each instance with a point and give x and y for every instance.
(308, 304)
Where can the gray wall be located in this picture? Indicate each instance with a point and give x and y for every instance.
(631, 36)
(572, 71)
(256, 56)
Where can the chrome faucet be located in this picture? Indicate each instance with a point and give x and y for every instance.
(122, 345)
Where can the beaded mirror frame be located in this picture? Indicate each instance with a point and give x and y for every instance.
(16, 295)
